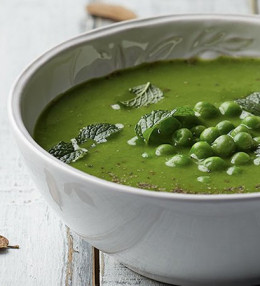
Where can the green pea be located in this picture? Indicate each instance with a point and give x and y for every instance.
(240, 158)
(252, 122)
(209, 134)
(225, 126)
(230, 108)
(165, 149)
(257, 140)
(224, 146)
(213, 164)
(244, 141)
(197, 130)
(178, 161)
(147, 155)
(201, 150)
(206, 109)
(234, 170)
(182, 137)
(168, 126)
(239, 128)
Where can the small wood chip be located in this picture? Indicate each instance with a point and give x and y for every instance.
(4, 243)
(112, 12)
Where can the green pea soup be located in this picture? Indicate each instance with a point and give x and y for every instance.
(168, 165)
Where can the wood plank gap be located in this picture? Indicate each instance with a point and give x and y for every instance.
(254, 6)
(95, 22)
(69, 268)
(94, 19)
(96, 267)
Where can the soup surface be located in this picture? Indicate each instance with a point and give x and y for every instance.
(176, 166)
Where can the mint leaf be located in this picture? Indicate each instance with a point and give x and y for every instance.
(68, 152)
(97, 132)
(251, 103)
(143, 128)
(145, 94)
(183, 111)
(159, 123)
(71, 152)
(61, 149)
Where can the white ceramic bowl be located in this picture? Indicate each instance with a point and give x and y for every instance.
(175, 238)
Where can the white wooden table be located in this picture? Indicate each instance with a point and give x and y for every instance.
(50, 253)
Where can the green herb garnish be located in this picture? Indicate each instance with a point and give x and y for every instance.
(159, 119)
(68, 152)
(145, 94)
(149, 121)
(183, 111)
(97, 132)
(71, 152)
(251, 103)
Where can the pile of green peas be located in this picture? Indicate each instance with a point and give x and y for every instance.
(213, 148)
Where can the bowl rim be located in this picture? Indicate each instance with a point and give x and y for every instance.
(21, 132)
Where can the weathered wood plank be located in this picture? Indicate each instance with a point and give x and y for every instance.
(80, 267)
(50, 254)
(26, 220)
(256, 6)
(112, 273)
(148, 8)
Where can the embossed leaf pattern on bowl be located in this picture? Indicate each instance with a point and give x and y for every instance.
(163, 49)
(222, 42)
(123, 53)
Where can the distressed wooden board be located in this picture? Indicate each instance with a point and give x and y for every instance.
(49, 253)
